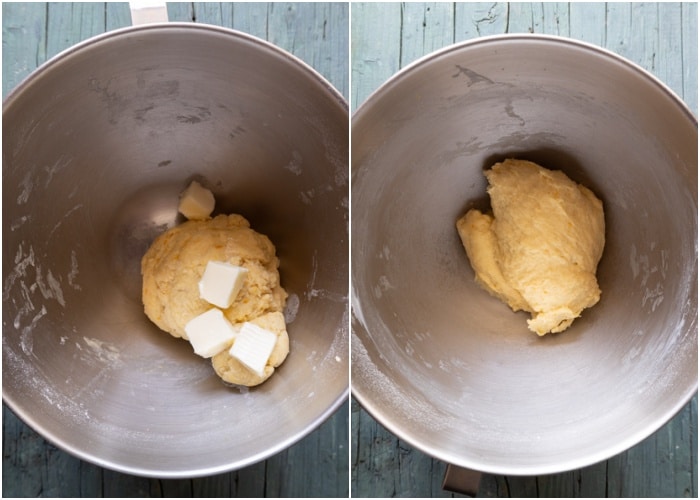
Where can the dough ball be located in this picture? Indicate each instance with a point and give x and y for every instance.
(234, 372)
(540, 249)
(175, 262)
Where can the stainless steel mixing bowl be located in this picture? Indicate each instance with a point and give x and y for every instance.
(452, 370)
(97, 145)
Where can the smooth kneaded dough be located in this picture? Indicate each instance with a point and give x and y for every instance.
(539, 250)
(175, 262)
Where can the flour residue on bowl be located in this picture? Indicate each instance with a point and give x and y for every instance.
(31, 287)
(21, 366)
(291, 308)
(383, 285)
(73, 273)
(26, 186)
(56, 167)
(337, 351)
(27, 183)
(26, 339)
(295, 163)
(102, 351)
(385, 253)
(24, 258)
(307, 196)
(49, 286)
(335, 154)
(312, 292)
(650, 276)
(46, 285)
(367, 375)
(65, 216)
(19, 222)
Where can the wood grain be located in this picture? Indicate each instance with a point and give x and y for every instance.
(316, 466)
(660, 37)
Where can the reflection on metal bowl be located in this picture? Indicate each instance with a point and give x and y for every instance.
(452, 370)
(97, 145)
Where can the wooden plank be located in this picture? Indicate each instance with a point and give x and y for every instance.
(591, 481)
(61, 473)
(251, 18)
(669, 450)
(210, 13)
(557, 485)
(474, 19)
(117, 15)
(181, 12)
(23, 41)
(618, 28)
(412, 467)
(324, 25)
(521, 17)
(426, 28)
(117, 484)
(373, 58)
(21, 452)
(588, 22)
(670, 46)
(375, 461)
(357, 468)
(390, 467)
(70, 23)
(319, 468)
(644, 40)
(337, 31)
(689, 48)
(317, 33)
(556, 18)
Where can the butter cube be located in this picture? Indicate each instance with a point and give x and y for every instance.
(253, 347)
(196, 202)
(221, 282)
(210, 333)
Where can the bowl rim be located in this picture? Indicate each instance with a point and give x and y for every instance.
(384, 417)
(205, 29)
(511, 37)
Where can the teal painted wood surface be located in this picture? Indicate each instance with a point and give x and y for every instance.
(662, 38)
(317, 466)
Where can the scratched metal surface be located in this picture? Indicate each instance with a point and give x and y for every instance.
(662, 38)
(317, 465)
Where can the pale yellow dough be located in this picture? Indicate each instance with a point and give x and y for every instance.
(232, 371)
(175, 262)
(540, 249)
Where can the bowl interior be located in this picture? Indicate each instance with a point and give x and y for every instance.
(97, 146)
(448, 367)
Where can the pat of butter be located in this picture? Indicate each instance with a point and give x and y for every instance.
(253, 347)
(196, 202)
(210, 333)
(221, 282)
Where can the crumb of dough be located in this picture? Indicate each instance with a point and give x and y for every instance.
(539, 249)
(175, 262)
